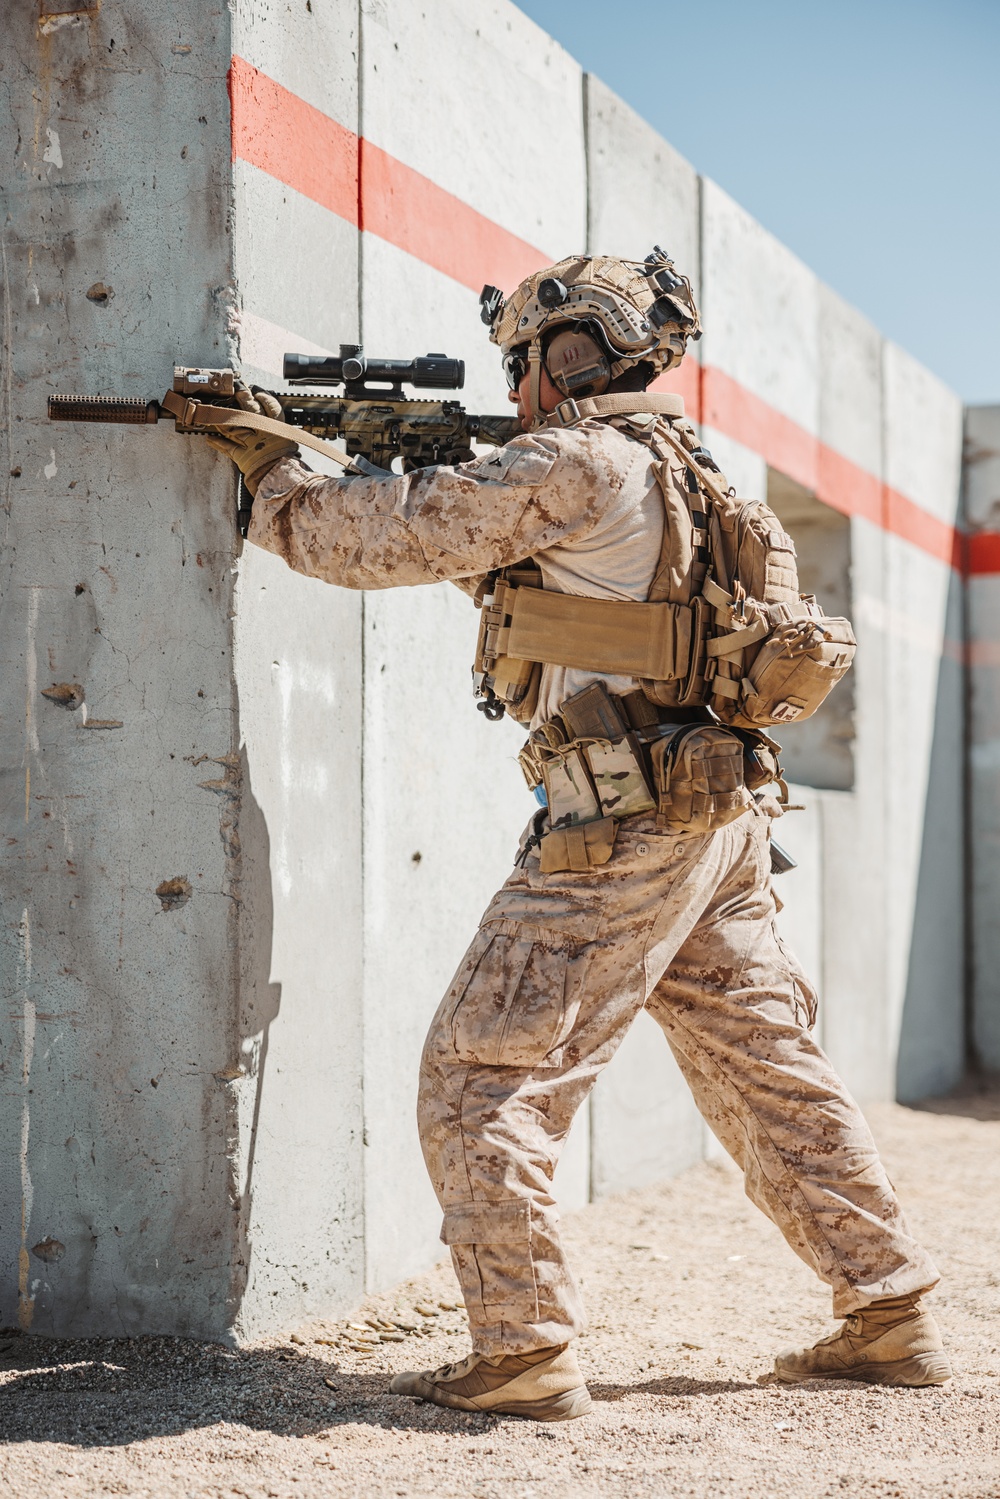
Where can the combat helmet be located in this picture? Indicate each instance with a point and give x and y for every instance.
(598, 315)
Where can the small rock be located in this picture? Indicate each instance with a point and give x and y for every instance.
(426, 1310)
(294, 1338)
(393, 1337)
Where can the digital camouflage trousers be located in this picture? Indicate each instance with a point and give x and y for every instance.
(559, 969)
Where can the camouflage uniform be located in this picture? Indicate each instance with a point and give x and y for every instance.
(562, 963)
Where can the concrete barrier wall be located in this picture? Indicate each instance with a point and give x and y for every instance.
(982, 514)
(214, 1096)
(120, 1022)
(924, 741)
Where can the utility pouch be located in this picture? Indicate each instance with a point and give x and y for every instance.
(794, 670)
(761, 758)
(700, 779)
(501, 680)
(578, 848)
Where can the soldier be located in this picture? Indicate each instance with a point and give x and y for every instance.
(629, 606)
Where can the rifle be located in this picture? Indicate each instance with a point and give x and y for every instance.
(375, 424)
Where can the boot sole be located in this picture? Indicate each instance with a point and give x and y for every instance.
(565, 1407)
(915, 1372)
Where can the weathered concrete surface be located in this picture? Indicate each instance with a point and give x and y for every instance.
(116, 1201)
(855, 872)
(924, 921)
(298, 677)
(982, 513)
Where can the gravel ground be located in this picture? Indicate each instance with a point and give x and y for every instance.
(690, 1291)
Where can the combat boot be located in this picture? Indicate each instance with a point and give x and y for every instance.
(545, 1385)
(895, 1341)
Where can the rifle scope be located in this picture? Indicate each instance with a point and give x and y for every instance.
(431, 372)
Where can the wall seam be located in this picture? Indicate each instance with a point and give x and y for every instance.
(362, 705)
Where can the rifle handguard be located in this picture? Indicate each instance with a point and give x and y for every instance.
(195, 416)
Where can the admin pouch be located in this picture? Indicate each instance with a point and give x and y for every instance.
(723, 625)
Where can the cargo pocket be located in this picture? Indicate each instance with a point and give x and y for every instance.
(490, 1245)
(517, 996)
(805, 1000)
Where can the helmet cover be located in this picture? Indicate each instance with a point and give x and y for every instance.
(639, 311)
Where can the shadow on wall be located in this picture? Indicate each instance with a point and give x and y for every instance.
(932, 1036)
(260, 1001)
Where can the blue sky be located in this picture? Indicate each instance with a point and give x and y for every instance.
(865, 134)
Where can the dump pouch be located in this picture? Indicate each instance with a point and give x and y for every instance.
(700, 779)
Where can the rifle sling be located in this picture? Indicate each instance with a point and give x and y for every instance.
(195, 416)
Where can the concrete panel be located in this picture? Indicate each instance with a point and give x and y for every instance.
(924, 733)
(409, 307)
(640, 191)
(120, 1012)
(645, 1126)
(311, 50)
(296, 265)
(982, 510)
(299, 687)
(449, 95)
(855, 878)
(299, 1172)
(850, 382)
(760, 310)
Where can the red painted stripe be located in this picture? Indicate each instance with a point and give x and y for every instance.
(296, 143)
(844, 486)
(684, 381)
(411, 211)
(742, 415)
(284, 136)
(982, 553)
(901, 517)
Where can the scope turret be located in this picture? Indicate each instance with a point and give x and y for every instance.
(429, 372)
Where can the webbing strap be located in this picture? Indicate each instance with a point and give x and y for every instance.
(621, 403)
(617, 637)
(733, 643)
(197, 417)
(716, 596)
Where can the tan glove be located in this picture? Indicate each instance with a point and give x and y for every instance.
(254, 453)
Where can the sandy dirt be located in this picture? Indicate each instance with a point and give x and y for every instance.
(690, 1292)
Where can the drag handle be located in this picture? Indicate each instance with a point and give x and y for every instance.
(132, 410)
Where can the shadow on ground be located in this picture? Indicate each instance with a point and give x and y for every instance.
(976, 1097)
(105, 1392)
(110, 1392)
